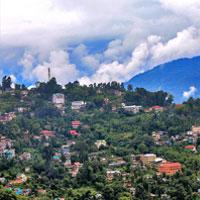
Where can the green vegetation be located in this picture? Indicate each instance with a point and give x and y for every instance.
(75, 167)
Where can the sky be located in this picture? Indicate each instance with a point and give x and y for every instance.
(92, 40)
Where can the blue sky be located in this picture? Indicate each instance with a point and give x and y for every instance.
(94, 41)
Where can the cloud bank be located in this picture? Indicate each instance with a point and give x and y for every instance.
(141, 35)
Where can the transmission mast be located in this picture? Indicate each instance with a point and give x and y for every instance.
(49, 74)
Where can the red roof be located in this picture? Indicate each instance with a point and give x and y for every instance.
(178, 105)
(73, 132)
(16, 181)
(156, 107)
(46, 132)
(171, 165)
(190, 147)
(77, 163)
(76, 123)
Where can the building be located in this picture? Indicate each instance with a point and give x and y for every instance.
(110, 174)
(100, 142)
(159, 134)
(133, 108)
(76, 105)
(196, 129)
(170, 168)
(191, 147)
(76, 124)
(47, 134)
(58, 98)
(73, 132)
(25, 156)
(147, 159)
(157, 108)
(7, 153)
(21, 176)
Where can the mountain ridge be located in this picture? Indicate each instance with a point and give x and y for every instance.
(174, 77)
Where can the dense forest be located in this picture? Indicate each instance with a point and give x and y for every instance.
(101, 141)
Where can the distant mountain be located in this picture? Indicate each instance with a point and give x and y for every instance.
(174, 77)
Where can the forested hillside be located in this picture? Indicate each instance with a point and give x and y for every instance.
(97, 142)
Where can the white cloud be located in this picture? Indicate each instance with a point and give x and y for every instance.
(27, 62)
(190, 9)
(143, 34)
(189, 93)
(60, 68)
(13, 78)
(148, 54)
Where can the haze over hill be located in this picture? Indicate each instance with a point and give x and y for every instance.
(180, 78)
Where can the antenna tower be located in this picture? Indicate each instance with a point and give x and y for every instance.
(49, 73)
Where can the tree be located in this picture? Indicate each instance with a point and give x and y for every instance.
(6, 83)
(130, 87)
(7, 195)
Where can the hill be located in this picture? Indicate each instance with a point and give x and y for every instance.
(174, 77)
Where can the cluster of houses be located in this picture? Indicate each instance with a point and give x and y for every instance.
(6, 117)
(160, 164)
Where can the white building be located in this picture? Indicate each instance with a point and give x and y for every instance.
(132, 108)
(76, 105)
(58, 98)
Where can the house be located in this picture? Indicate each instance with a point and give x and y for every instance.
(93, 156)
(147, 159)
(24, 93)
(64, 150)
(22, 177)
(5, 143)
(157, 108)
(178, 105)
(6, 117)
(106, 100)
(47, 134)
(133, 108)
(159, 134)
(27, 169)
(170, 168)
(7, 153)
(76, 105)
(26, 192)
(196, 129)
(110, 174)
(191, 147)
(42, 191)
(2, 179)
(17, 181)
(73, 169)
(76, 124)
(73, 132)
(25, 156)
(58, 98)
(100, 142)
(68, 160)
